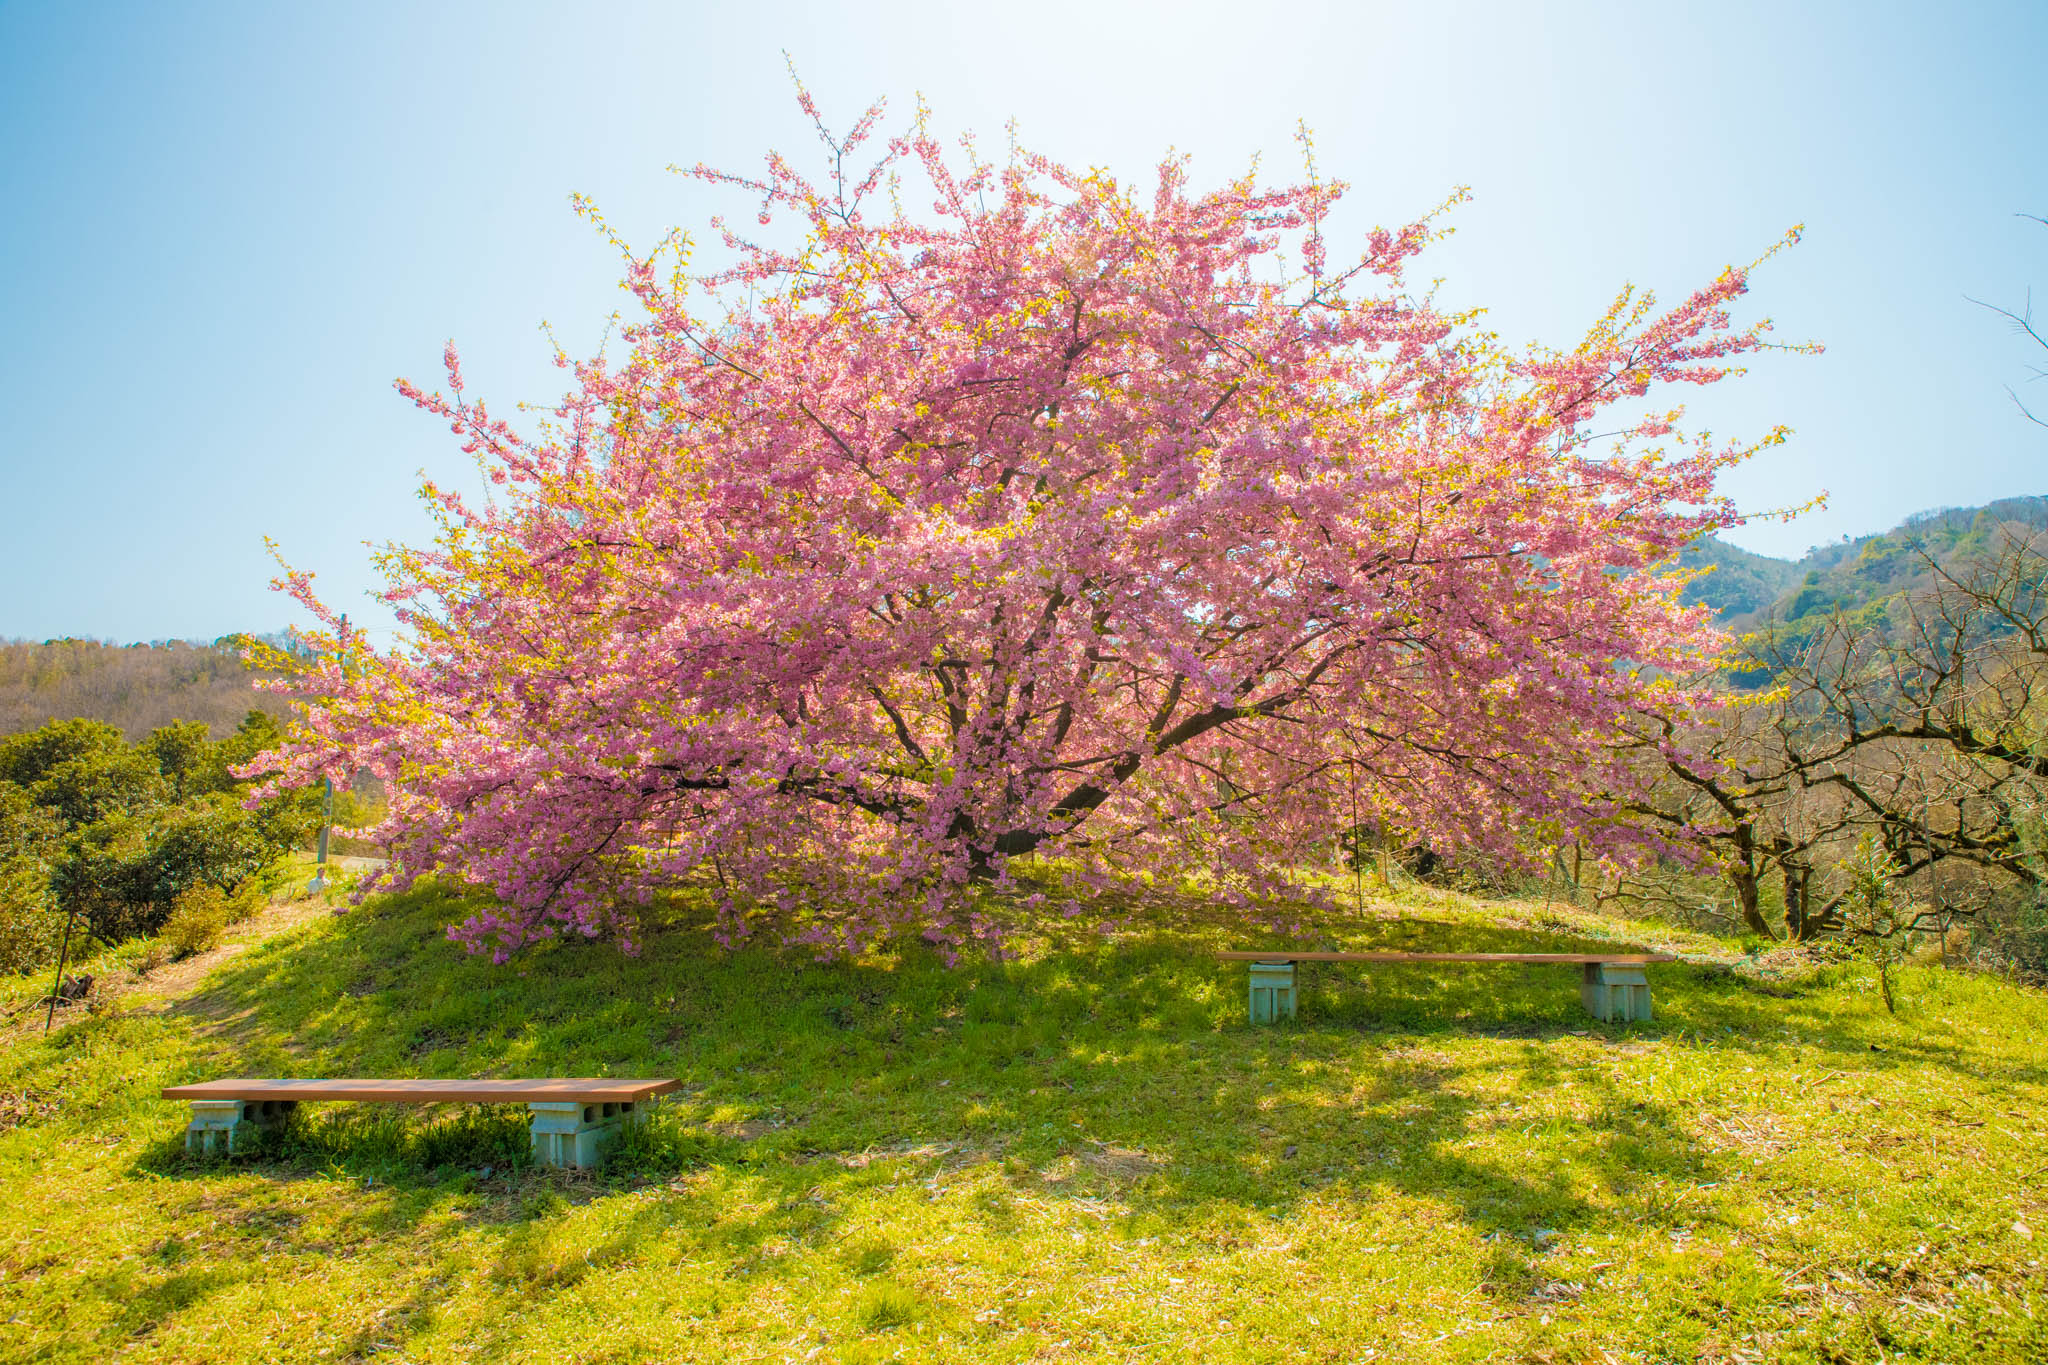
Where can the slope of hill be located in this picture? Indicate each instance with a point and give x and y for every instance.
(1740, 585)
(1081, 1154)
(1851, 575)
(136, 687)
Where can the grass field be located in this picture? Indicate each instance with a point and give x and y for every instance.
(1086, 1154)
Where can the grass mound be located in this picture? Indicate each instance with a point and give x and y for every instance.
(1084, 1154)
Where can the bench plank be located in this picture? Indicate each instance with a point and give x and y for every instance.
(1614, 959)
(597, 1089)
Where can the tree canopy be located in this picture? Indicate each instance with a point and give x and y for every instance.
(1054, 519)
(114, 834)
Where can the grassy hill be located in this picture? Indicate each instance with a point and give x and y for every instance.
(1085, 1154)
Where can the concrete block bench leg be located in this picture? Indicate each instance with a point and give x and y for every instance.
(1613, 993)
(215, 1121)
(1272, 992)
(575, 1133)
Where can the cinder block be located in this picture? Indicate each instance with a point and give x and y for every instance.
(216, 1122)
(575, 1133)
(1272, 997)
(1615, 993)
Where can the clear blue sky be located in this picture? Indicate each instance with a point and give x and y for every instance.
(228, 228)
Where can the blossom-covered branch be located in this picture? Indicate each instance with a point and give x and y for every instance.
(1052, 519)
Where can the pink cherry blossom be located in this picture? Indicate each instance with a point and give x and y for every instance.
(1008, 513)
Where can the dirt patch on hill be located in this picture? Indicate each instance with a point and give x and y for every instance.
(163, 988)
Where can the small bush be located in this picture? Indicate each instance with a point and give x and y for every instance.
(197, 920)
(118, 832)
(1877, 925)
(245, 901)
(221, 845)
(153, 955)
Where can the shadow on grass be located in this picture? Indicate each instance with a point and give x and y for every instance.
(1094, 1070)
(143, 1307)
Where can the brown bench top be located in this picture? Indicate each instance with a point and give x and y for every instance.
(492, 1091)
(1612, 959)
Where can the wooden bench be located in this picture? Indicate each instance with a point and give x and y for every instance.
(574, 1117)
(1613, 986)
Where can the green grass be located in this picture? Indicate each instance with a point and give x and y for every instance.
(1085, 1154)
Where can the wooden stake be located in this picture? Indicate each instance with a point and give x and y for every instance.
(56, 986)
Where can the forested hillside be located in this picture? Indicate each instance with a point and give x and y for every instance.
(1850, 576)
(136, 688)
(1740, 585)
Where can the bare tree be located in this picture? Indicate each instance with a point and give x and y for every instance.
(2022, 321)
(1923, 731)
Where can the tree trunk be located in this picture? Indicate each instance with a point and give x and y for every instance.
(1746, 898)
(1799, 921)
(1744, 876)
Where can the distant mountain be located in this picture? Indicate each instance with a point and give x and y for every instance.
(1854, 577)
(1742, 587)
(136, 687)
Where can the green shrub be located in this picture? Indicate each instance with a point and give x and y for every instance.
(246, 901)
(100, 874)
(220, 844)
(97, 786)
(152, 955)
(183, 753)
(198, 919)
(203, 912)
(116, 833)
(29, 757)
(126, 874)
(30, 925)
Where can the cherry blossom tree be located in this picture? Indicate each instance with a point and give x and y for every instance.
(1121, 533)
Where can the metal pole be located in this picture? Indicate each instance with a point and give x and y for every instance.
(319, 882)
(63, 954)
